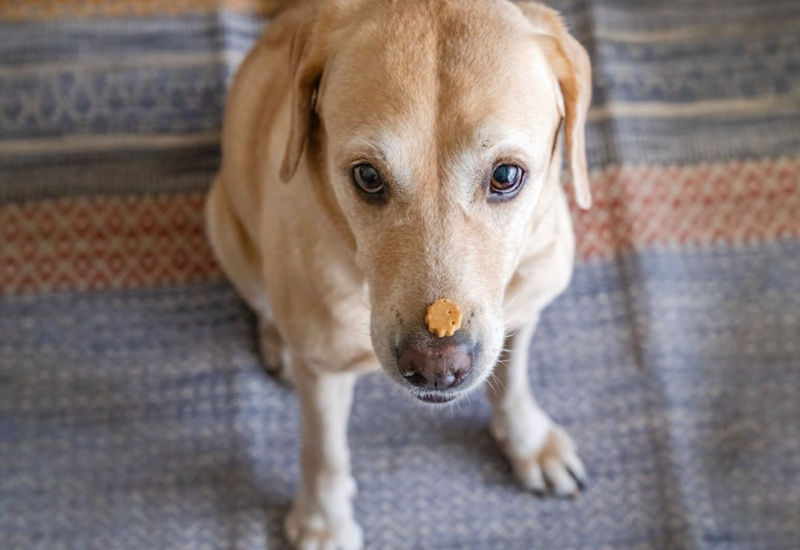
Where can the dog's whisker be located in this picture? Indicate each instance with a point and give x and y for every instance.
(491, 383)
(514, 299)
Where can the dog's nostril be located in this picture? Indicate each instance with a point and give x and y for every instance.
(417, 379)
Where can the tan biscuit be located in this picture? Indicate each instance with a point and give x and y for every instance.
(443, 318)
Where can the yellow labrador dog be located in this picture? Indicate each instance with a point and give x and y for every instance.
(380, 155)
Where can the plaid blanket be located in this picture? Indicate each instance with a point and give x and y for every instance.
(134, 414)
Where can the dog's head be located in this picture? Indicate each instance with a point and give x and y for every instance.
(433, 127)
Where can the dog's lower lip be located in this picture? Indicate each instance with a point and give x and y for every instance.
(437, 398)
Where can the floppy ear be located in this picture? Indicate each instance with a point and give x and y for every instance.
(307, 62)
(572, 68)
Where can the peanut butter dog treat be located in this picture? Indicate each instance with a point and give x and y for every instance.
(443, 318)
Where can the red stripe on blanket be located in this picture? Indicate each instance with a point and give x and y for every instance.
(637, 207)
(123, 242)
(104, 243)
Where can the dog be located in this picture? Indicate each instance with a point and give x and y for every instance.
(378, 156)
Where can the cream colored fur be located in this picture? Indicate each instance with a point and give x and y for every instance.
(433, 93)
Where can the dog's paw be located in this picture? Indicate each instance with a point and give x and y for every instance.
(553, 467)
(326, 522)
(316, 532)
(274, 353)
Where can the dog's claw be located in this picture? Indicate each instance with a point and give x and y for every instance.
(580, 478)
(554, 468)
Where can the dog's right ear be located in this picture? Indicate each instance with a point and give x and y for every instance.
(307, 62)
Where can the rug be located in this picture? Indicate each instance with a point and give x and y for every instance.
(134, 413)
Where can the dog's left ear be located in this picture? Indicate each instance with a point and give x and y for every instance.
(307, 62)
(572, 68)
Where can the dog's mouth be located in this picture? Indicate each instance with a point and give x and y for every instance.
(436, 397)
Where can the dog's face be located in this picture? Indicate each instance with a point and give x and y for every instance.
(438, 123)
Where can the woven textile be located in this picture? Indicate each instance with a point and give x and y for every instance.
(134, 414)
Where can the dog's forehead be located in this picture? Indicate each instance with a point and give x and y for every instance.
(439, 72)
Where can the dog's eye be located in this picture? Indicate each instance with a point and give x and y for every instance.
(506, 179)
(367, 178)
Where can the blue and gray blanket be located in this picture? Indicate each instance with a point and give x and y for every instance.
(134, 413)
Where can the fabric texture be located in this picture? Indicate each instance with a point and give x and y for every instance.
(134, 413)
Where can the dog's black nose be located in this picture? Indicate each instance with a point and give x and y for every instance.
(436, 367)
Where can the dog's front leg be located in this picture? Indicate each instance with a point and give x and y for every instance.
(540, 451)
(322, 516)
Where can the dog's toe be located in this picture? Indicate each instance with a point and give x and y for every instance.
(554, 467)
(532, 477)
(313, 533)
(559, 478)
(324, 520)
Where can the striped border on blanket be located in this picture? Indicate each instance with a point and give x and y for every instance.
(19, 10)
(115, 242)
(95, 243)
